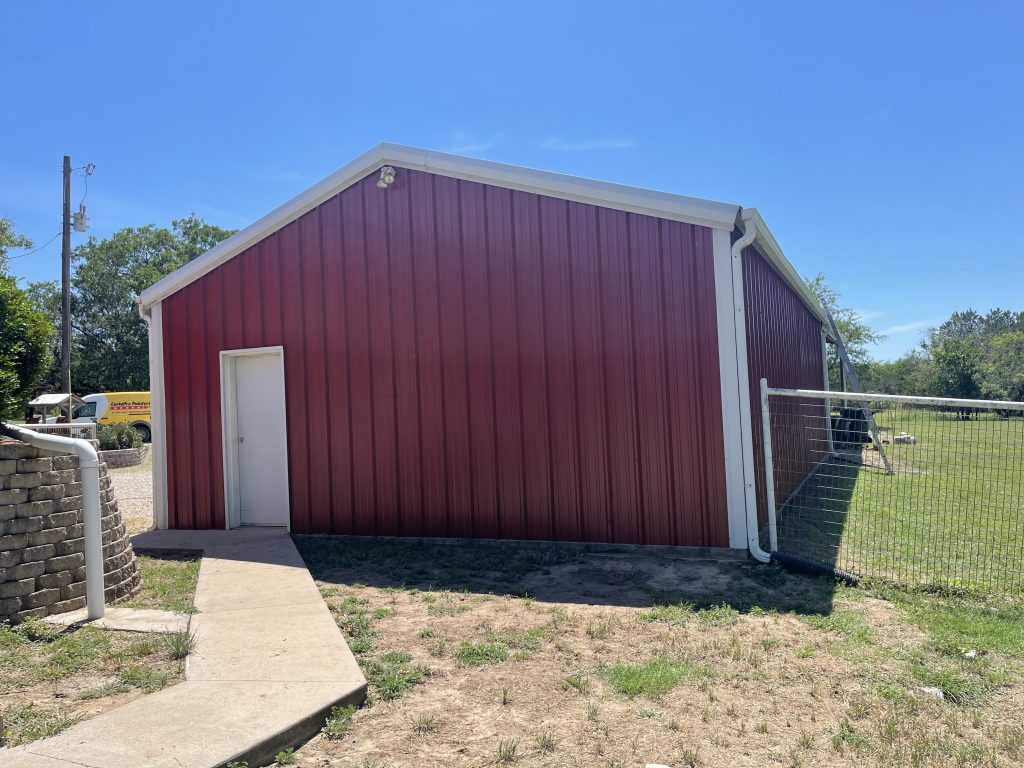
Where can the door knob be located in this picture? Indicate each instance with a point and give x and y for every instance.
(241, 439)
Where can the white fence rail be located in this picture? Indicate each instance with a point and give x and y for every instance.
(83, 430)
(944, 506)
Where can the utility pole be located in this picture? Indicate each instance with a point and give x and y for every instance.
(65, 287)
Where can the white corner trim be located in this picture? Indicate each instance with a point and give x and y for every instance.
(743, 378)
(229, 428)
(706, 213)
(731, 385)
(158, 416)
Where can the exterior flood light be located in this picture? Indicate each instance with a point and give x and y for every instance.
(387, 177)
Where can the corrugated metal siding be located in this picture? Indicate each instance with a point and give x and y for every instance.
(783, 346)
(466, 360)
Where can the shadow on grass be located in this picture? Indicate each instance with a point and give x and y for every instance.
(563, 574)
(812, 522)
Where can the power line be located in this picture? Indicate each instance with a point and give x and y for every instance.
(35, 250)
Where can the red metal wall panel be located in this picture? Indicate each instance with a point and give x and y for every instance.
(784, 347)
(467, 360)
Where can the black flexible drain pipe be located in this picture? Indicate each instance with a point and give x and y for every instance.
(813, 567)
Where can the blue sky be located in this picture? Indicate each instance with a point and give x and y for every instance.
(881, 141)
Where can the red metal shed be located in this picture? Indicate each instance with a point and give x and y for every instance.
(431, 345)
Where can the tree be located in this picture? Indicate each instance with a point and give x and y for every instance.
(1002, 369)
(45, 295)
(24, 331)
(110, 350)
(957, 370)
(857, 335)
(10, 239)
(911, 374)
(982, 355)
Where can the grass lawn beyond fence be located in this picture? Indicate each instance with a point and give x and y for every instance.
(950, 516)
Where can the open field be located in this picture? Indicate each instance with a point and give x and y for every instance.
(496, 655)
(52, 677)
(951, 516)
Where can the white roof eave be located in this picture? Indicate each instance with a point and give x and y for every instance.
(693, 210)
(771, 250)
(706, 213)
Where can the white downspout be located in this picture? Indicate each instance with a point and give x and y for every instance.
(753, 536)
(89, 464)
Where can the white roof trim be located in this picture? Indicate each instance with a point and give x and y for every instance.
(769, 247)
(663, 205)
(705, 213)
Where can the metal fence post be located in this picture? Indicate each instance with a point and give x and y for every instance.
(769, 469)
(828, 385)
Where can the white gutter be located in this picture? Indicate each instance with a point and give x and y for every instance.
(89, 464)
(153, 316)
(750, 231)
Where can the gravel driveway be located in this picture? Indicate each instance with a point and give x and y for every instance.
(133, 489)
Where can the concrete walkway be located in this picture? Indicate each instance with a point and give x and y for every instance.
(268, 666)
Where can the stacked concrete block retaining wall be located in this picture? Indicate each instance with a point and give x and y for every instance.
(126, 457)
(42, 561)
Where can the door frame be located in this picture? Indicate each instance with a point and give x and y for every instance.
(229, 429)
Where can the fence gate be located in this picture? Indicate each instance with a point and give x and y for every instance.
(949, 513)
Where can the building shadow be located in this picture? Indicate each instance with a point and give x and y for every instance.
(811, 524)
(564, 574)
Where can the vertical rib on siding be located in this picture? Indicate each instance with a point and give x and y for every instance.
(783, 346)
(467, 360)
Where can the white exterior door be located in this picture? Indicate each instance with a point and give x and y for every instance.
(260, 440)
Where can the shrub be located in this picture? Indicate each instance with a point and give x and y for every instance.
(115, 437)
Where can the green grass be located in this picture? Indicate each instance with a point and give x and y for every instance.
(851, 625)
(35, 652)
(679, 613)
(958, 626)
(31, 722)
(948, 518)
(393, 674)
(717, 616)
(338, 722)
(846, 736)
(479, 654)
(43, 657)
(168, 581)
(353, 616)
(653, 678)
(527, 640)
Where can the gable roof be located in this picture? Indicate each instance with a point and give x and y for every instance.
(692, 210)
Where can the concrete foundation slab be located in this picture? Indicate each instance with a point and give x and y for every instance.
(126, 620)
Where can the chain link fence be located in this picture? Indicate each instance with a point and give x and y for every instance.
(918, 491)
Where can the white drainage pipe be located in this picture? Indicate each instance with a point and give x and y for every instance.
(89, 463)
(753, 535)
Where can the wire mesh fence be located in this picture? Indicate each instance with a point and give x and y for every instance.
(924, 492)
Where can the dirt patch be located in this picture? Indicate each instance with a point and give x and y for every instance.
(624, 580)
(602, 661)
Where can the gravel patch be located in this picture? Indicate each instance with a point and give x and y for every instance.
(133, 489)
